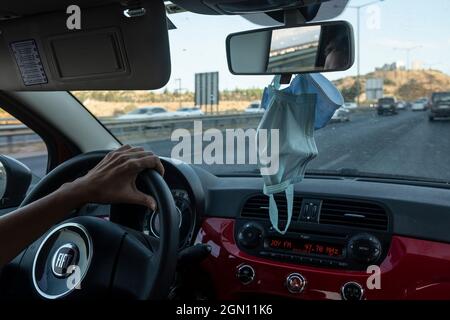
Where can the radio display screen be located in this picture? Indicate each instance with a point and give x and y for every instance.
(302, 246)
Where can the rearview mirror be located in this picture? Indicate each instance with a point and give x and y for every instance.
(318, 47)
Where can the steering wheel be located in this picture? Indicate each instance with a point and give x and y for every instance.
(99, 257)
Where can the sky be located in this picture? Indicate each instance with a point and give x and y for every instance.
(386, 30)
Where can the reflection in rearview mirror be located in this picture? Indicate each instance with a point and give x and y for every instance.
(293, 49)
(304, 49)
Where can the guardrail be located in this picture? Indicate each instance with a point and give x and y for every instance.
(161, 129)
(8, 121)
(138, 131)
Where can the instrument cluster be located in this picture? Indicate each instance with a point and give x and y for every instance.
(186, 215)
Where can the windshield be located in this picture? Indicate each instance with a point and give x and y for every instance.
(386, 100)
(441, 97)
(400, 56)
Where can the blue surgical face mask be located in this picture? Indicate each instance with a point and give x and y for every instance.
(329, 99)
(307, 104)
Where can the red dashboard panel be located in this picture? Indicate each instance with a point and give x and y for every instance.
(413, 269)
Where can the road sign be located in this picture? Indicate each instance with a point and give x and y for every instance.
(374, 89)
(207, 90)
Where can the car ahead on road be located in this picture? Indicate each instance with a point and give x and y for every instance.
(145, 113)
(254, 107)
(386, 105)
(419, 104)
(341, 115)
(440, 105)
(350, 105)
(189, 112)
(401, 105)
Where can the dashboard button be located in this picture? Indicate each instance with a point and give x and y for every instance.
(245, 274)
(364, 248)
(352, 291)
(250, 236)
(295, 283)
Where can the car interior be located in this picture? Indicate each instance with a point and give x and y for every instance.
(353, 235)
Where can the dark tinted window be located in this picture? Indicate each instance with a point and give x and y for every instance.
(386, 100)
(441, 96)
(138, 111)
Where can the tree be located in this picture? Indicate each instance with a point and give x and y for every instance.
(349, 93)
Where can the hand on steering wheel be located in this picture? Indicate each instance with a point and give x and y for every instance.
(111, 261)
(113, 179)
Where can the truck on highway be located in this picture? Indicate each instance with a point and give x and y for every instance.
(439, 105)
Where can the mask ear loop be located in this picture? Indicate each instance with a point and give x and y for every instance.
(276, 82)
(273, 209)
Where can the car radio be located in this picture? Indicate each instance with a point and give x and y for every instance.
(352, 250)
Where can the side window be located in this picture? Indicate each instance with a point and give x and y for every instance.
(21, 143)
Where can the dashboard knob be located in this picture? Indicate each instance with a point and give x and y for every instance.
(352, 291)
(251, 235)
(364, 248)
(295, 283)
(245, 274)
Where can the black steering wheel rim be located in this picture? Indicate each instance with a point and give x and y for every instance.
(155, 268)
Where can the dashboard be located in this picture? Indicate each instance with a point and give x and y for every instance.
(350, 239)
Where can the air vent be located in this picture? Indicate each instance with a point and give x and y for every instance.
(353, 214)
(258, 207)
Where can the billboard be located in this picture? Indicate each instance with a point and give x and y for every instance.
(374, 89)
(207, 90)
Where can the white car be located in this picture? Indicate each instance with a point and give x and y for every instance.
(401, 105)
(189, 111)
(340, 115)
(419, 105)
(349, 105)
(254, 107)
(145, 113)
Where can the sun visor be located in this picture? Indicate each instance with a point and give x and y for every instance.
(111, 51)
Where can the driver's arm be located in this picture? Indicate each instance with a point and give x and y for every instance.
(111, 181)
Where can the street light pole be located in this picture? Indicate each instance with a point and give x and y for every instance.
(179, 90)
(358, 82)
(358, 61)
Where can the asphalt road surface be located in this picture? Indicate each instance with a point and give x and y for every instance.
(404, 144)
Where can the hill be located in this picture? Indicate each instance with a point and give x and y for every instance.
(405, 85)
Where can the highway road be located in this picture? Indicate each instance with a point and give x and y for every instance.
(404, 144)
